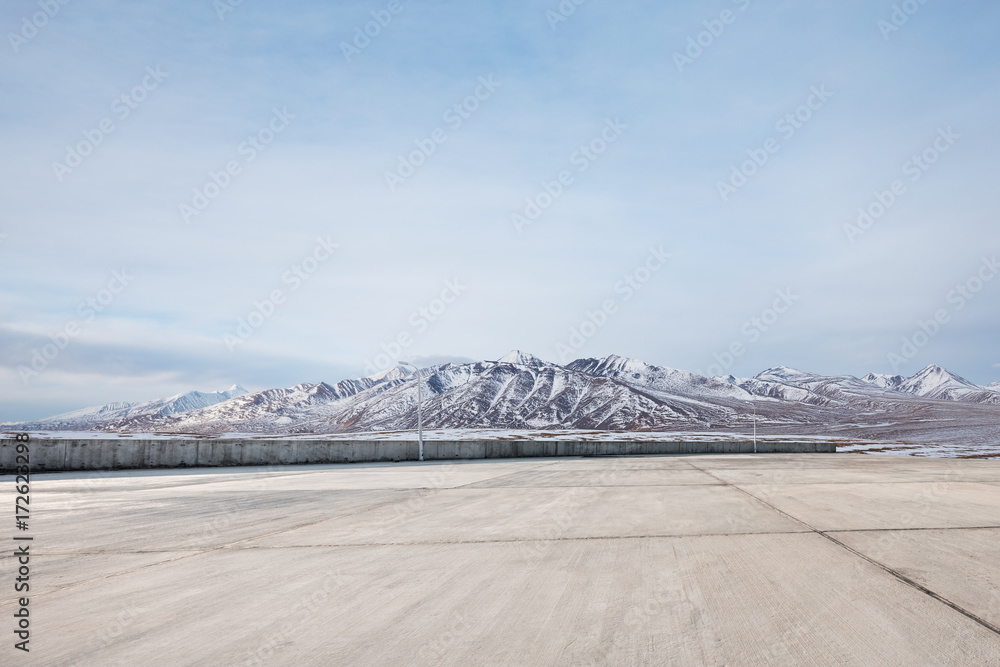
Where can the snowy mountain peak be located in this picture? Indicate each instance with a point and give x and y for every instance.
(933, 379)
(884, 381)
(665, 383)
(520, 358)
(931, 370)
(394, 373)
(780, 373)
(935, 372)
(192, 400)
(623, 364)
(522, 391)
(615, 366)
(101, 414)
(936, 382)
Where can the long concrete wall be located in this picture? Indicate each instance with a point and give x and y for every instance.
(52, 454)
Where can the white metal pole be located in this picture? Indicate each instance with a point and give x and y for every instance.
(754, 427)
(420, 423)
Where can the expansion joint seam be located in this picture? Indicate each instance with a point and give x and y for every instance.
(898, 575)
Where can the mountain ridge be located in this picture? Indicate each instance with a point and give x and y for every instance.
(520, 390)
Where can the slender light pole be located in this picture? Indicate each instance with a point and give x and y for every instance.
(420, 423)
(754, 426)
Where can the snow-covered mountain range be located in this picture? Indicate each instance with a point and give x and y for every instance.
(521, 391)
(94, 417)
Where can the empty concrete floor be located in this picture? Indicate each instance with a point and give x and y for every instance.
(814, 559)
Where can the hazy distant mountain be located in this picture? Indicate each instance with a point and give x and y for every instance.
(519, 390)
(262, 411)
(93, 417)
(936, 382)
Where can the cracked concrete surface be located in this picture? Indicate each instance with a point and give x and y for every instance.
(803, 559)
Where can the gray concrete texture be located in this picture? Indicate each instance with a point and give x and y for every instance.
(769, 559)
(138, 453)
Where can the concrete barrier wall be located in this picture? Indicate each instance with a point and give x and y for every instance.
(52, 454)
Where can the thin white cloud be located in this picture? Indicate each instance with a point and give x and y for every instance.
(324, 175)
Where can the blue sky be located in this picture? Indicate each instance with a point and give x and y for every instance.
(443, 239)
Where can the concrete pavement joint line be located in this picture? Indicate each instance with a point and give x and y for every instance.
(800, 483)
(233, 545)
(502, 541)
(406, 488)
(513, 540)
(433, 490)
(585, 538)
(243, 478)
(118, 574)
(903, 530)
(899, 576)
(242, 473)
(120, 552)
(329, 518)
(906, 580)
(219, 547)
(507, 474)
(589, 486)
